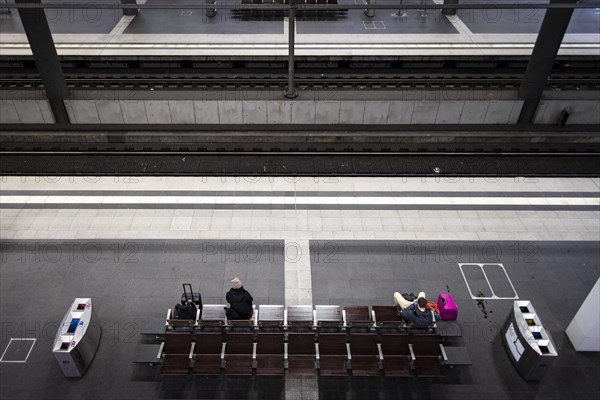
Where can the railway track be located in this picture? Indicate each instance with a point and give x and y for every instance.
(320, 164)
(305, 81)
(268, 150)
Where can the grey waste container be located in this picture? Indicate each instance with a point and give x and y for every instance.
(211, 12)
(449, 11)
(370, 12)
(528, 343)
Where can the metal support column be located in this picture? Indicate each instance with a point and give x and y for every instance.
(291, 93)
(4, 10)
(400, 12)
(370, 12)
(542, 58)
(449, 11)
(46, 59)
(129, 11)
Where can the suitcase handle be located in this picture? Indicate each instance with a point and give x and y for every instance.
(185, 293)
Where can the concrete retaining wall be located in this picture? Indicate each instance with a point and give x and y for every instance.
(297, 112)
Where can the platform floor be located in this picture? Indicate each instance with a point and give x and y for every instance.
(130, 242)
(524, 20)
(94, 20)
(384, 22)
(196, 22)
(72, 21)
(189, 32)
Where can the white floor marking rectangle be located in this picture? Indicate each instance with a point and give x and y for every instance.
(28, 353)
(493, 297)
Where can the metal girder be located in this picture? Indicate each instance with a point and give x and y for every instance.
(46, 59)
(550, 37)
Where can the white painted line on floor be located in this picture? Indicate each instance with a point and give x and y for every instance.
(48, 184)
(121, 26)
(493, 297)
(459, 25)
(297, 274)
(303, 200)
(28, 353)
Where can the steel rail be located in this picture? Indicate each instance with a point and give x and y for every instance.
(294, 153)
(161, 82)
(393, 6)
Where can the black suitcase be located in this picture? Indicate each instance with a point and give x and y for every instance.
(188, 294)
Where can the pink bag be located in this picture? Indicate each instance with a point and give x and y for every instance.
(447, 307)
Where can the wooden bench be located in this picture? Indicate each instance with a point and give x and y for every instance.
(357, 317)
(386, 317)
(271, 316)
(364, 354)
(270, 353)
(239, 354)
(244, 324)
(332, 354)
(209, 353)
(395, 355)
(177, 352)
(426, 351)
(213, 316)
(301, 354)
(299, 317)
(328, 317)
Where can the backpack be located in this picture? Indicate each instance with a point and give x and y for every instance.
(409, 296)
(187, 311)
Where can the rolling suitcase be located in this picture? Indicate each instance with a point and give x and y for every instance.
(447, 307)
(188, 294)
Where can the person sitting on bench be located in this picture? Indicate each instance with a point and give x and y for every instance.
(415, 312)
(240, 301)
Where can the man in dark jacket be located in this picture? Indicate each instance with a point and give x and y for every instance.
(240, 301)
(418, 314)
(415, 312)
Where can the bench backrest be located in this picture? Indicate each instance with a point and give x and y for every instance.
(301, 343)
(177, 342)
(269, 343)
(332, 343)
(239, 343)
(426, 344)
(208, 343)
(363, 344)
(394, 344)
